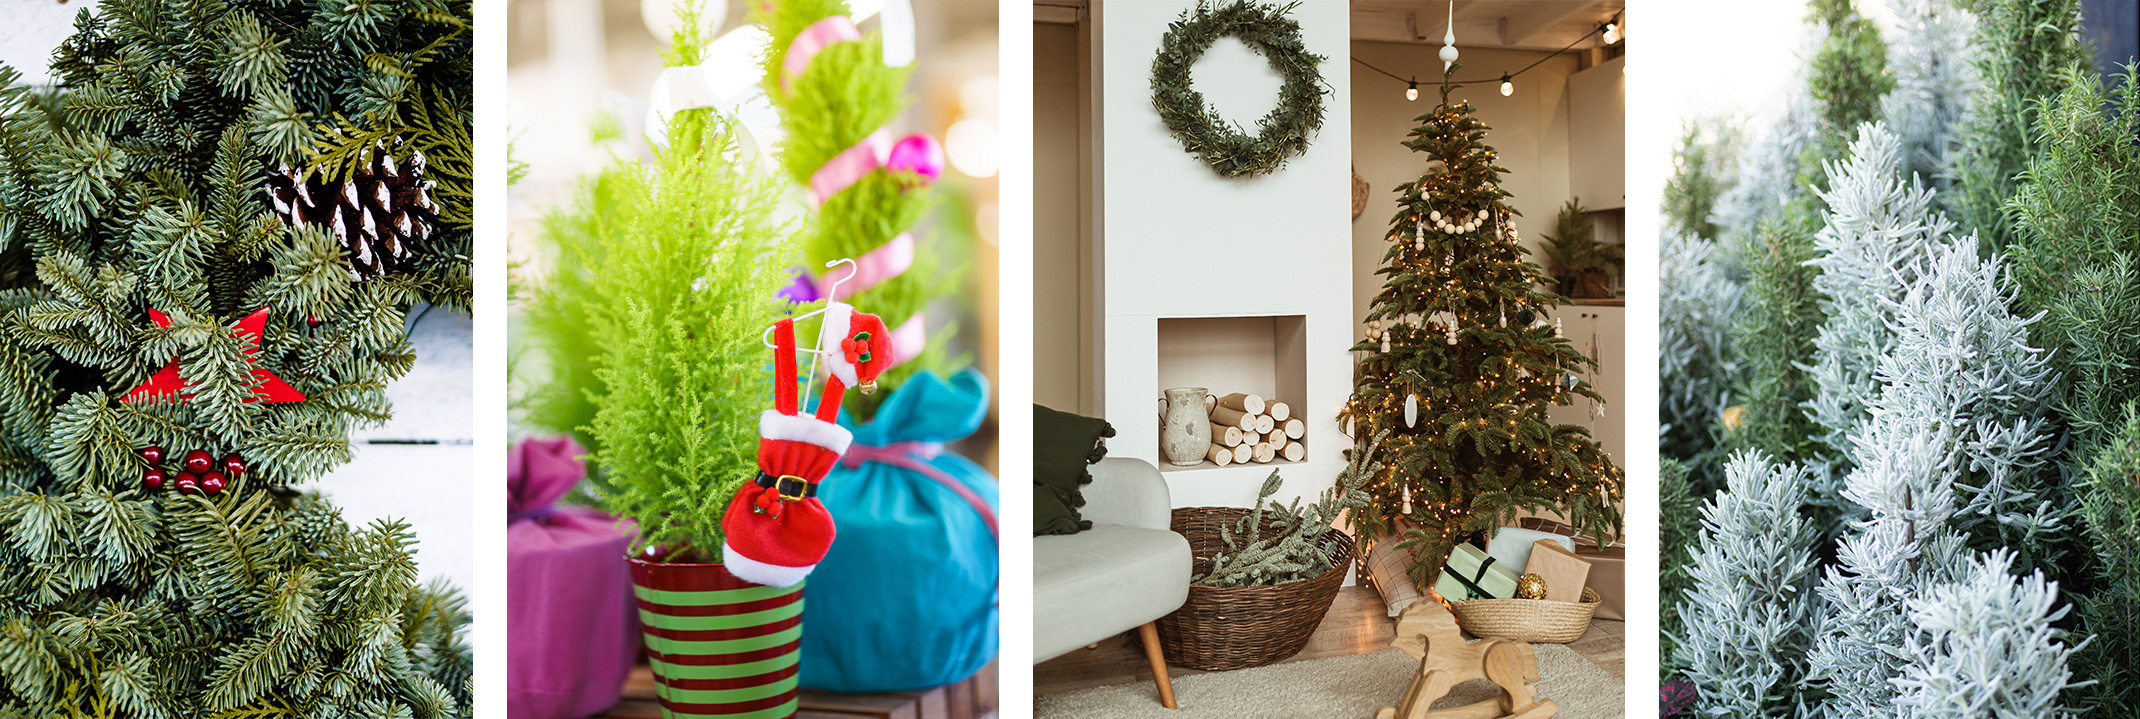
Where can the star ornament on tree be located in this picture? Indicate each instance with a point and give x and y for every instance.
(266, 386)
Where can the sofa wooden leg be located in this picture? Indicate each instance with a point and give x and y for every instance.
(1150, 634)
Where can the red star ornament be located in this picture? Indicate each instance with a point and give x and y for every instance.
(267, 387)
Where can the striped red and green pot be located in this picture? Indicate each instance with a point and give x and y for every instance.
(719, 646)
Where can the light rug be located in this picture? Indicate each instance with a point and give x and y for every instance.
(1337, 688)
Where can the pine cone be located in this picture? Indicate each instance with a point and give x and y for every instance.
(380, 214)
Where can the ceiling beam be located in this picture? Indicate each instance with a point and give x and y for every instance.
(1516, 29)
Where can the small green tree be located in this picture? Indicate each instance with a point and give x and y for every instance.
(1704, 168)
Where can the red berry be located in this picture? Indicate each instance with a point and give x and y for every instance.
(212, 483)
(155, 478)
(233, 464)
(314, 320)
(152, 454)
(199, 461)
(187, 483)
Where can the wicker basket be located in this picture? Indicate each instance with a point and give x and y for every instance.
(1537, 621)
(1242, 627)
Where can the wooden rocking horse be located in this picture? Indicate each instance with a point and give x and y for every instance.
(1429, 633)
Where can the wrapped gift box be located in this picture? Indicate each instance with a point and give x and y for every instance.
(571, 623)
(1474, 564)
(1565, 573)
(1608, 566)
(1511, 546)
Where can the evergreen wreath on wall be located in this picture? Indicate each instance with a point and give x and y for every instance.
(1270, 31)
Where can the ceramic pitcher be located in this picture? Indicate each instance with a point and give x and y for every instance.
(1186, 437)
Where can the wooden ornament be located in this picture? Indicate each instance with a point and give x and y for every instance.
(1429, 633)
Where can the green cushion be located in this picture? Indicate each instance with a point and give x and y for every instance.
(1064, 445)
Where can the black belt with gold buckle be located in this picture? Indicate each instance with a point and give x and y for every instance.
(790, 487)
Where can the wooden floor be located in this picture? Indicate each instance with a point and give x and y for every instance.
(1357, 624)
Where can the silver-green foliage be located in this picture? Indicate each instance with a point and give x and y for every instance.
(1950, 459)
(1768, 180)
(1881, 231)
(1748, 618)
(1933, 62)
(1696, 363)
(1985, 644)
(1277, 544)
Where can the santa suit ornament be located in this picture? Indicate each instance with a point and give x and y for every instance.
(777, 529)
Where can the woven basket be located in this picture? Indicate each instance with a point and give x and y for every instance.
(1537, 621)
(1241, 627)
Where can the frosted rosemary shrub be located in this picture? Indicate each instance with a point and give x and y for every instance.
(1748, 618)
(1881, 230)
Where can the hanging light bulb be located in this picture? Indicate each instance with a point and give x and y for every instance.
(1507, 88)
(1612, 30)
(1412, 93)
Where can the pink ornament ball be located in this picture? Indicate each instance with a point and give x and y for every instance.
(919, 154)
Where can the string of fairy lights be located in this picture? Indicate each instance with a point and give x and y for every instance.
(1609, 31)
(1461, 387)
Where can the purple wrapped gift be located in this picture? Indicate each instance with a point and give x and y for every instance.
(572, 626)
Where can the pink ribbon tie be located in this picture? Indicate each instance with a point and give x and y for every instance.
(870, 270)
(813, 40)
(914, 456)
(850, 166)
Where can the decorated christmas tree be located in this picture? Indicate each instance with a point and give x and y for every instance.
(1462, 363)
(211, 233)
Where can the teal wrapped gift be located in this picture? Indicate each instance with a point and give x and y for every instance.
(1473, 574)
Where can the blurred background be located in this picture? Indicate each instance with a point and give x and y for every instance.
(579, 73)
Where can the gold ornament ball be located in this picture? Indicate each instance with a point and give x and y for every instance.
(1531, 586)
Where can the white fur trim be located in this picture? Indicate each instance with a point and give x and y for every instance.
(771, 575)
(804, 428)
(839, 320)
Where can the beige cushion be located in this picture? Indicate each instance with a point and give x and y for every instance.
(1104, 581)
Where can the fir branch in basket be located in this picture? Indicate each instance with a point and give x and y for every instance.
(1294, 550)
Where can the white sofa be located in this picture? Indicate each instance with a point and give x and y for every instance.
(1124, 573)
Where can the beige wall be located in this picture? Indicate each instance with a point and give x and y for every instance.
(1060, 226)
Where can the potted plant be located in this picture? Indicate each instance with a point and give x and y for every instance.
(1264, 577)
(1581, 264)
(674, 274)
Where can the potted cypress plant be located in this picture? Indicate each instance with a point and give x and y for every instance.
(1581, 264)
(667, 278)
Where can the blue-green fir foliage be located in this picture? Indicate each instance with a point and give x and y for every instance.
(139, 182)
